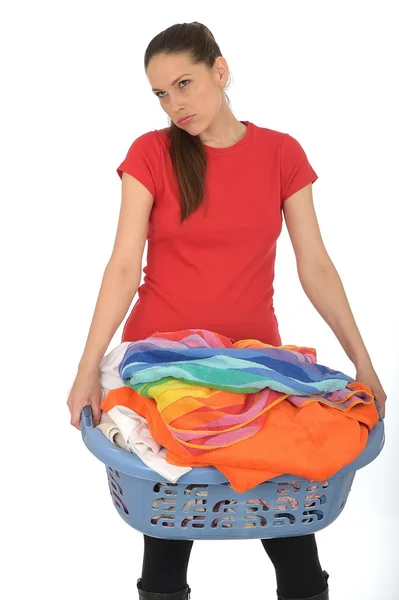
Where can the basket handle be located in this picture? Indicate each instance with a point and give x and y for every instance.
(378, 409)
(86, 418)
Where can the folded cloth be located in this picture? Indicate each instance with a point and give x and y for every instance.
(111, 431)
(209, 402)
(138, 440)
(125, 428)
(128, 430)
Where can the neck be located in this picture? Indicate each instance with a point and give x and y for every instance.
(224, 131)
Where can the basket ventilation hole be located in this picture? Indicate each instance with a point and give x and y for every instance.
(159, 485)
(261, 504)
(160, 503)
(114, 495)
(114, 483)
(199, 489)
(222, 505)
(295, 485)
(193, 521)
(195, 503)
(314, 515)
(282, 518)
(164, 519)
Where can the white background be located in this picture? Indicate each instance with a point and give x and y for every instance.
(74, 97)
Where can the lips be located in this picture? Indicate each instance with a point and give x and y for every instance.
(186, 118)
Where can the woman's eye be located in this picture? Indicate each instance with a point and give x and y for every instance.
(182, 81)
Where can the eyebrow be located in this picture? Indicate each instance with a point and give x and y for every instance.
(173, 82)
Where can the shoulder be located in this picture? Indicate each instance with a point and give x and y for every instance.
(154, 142)
(149, 139)
(146, 147)
(278, 140)
(287, 147)
(142, 158)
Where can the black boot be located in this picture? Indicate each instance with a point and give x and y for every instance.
(322, 596)
(182, 595)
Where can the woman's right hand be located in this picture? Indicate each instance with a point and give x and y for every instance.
(86, 391)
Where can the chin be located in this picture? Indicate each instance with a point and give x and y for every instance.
(191, 129)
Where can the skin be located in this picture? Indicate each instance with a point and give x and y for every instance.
(200, 93)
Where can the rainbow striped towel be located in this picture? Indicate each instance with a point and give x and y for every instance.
(212, 392)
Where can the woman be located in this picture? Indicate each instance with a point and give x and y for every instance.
(211, 265)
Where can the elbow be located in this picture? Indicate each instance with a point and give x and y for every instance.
(311, 269)
(134, 275)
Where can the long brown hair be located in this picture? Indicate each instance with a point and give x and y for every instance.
(187, 151)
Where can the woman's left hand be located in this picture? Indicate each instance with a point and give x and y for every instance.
(367, 375)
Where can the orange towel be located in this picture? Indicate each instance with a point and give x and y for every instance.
(314, 441)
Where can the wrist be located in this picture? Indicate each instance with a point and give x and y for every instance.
(363, 362)
(88, 369)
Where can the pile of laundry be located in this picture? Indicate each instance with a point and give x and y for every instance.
(194, 397)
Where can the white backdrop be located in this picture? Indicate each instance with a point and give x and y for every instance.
(74, 97)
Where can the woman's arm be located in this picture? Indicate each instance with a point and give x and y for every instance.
(323, 286)
(117, 291)
(318, 275)
(122, 274)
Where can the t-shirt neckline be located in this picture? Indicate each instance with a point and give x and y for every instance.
(237, 146)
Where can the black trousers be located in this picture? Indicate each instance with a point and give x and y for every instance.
(295, 559)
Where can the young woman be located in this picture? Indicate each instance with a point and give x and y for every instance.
(208, 193)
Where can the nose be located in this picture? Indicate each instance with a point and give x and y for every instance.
(178, 108)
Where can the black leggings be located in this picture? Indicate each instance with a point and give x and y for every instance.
(295, 559)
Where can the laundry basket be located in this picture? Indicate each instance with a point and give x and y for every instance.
(202, 505)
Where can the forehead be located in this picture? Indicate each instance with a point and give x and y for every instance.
(164, 69)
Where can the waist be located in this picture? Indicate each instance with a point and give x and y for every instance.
(216, 300)
(238, 322)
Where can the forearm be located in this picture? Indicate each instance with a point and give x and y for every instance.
(115, 296)
(323, 287)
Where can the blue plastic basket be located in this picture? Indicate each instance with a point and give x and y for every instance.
(202, 505)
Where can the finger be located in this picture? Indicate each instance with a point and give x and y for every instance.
(75, 423)
(96, 410)
(75, 418)
(381, 407)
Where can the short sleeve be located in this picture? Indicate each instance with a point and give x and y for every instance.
(142, 161)
(295, 170)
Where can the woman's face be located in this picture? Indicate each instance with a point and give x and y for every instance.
(186, 89)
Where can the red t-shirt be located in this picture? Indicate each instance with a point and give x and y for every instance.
(216, 270)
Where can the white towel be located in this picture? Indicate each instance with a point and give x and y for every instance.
(111, 432)
(137, 439)
(109, 375)
(132, 432)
